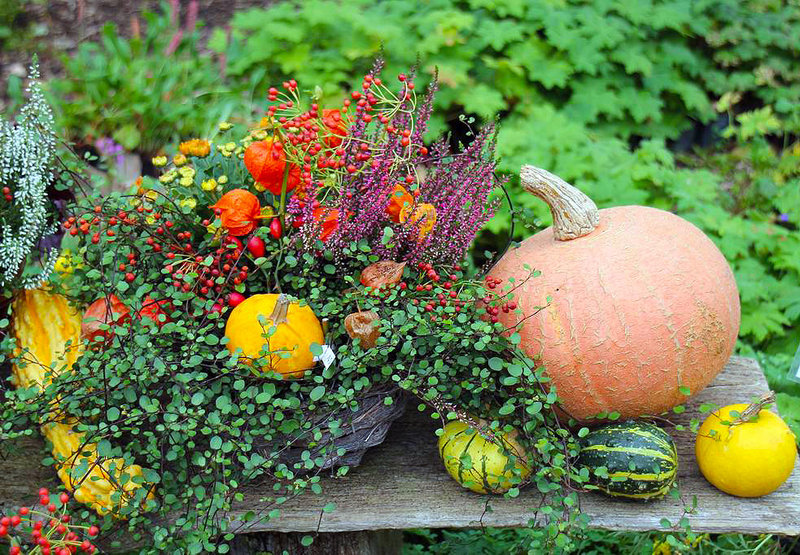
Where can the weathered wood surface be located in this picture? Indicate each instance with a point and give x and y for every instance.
(401, 484)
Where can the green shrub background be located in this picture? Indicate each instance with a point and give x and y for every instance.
(689, 106)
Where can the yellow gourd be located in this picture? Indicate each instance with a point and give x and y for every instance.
(295, 329)
(745, 456)
(44, 324)
(479, 463)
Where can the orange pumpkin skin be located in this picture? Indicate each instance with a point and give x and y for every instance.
(642, 305)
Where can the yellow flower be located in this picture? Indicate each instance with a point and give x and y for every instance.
(150, 220)
(259, 187)
(190, 202)
(186, 181)
(179, 159)
(151, 195)
(259, 134)
(214, 228)
(265, 123)
(66, 263)
(209, 184)
(224, 126)
(195, 147)
(223, 179)
(168, 177)
(230, 146)
(696, 541)
(186, 171)
(661, 548)
(159, 161)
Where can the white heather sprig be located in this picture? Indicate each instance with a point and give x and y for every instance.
(27, 149)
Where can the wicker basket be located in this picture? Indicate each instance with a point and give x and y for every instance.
(367, 427)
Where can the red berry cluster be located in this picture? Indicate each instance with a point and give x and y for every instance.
(316, 136)
(496, 303)
(46, 531)
(441, 287)
(7, 194)
(172, 248)
(227, 262)
(162, 237)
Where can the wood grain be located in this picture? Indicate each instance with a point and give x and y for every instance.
(401, 484)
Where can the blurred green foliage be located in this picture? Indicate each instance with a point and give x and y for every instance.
(594, 542)
(626, 68)
(144, 92)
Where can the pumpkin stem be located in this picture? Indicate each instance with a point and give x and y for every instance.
(281, 310)
(754, 408)
(574, 214)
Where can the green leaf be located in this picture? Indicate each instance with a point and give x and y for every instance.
(317, 393)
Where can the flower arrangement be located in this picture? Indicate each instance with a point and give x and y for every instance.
(241, 308)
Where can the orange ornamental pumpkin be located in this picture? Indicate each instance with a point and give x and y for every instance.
(643, 304)
(153, 309)
(266, 162)
(106, 310)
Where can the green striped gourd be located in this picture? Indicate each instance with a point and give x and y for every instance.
(478, 463)
(640, 460)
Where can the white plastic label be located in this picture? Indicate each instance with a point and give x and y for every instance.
(327, 357)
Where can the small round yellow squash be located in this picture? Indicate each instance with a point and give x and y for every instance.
(477, 462)
(295, 329)
(746, 458)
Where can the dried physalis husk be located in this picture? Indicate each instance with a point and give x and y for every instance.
(364, 326)
(385, 273)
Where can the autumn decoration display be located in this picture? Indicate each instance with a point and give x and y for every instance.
(225, 322)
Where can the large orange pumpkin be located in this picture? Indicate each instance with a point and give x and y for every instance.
(642, 305)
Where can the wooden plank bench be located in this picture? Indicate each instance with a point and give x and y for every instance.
(402, 484)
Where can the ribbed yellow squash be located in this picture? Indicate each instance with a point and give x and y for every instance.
(289, 347)
(43, 325)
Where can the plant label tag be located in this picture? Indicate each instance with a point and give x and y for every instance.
(794, 369)
(327, 357)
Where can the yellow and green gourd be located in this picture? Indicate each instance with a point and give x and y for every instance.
(480, 463)
(44, 324)
(637, 460)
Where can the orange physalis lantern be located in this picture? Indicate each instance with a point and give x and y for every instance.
(423, 216)
(239, 211)
(397, 201)
(329, 219)
(335, 125)
(266, 162)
